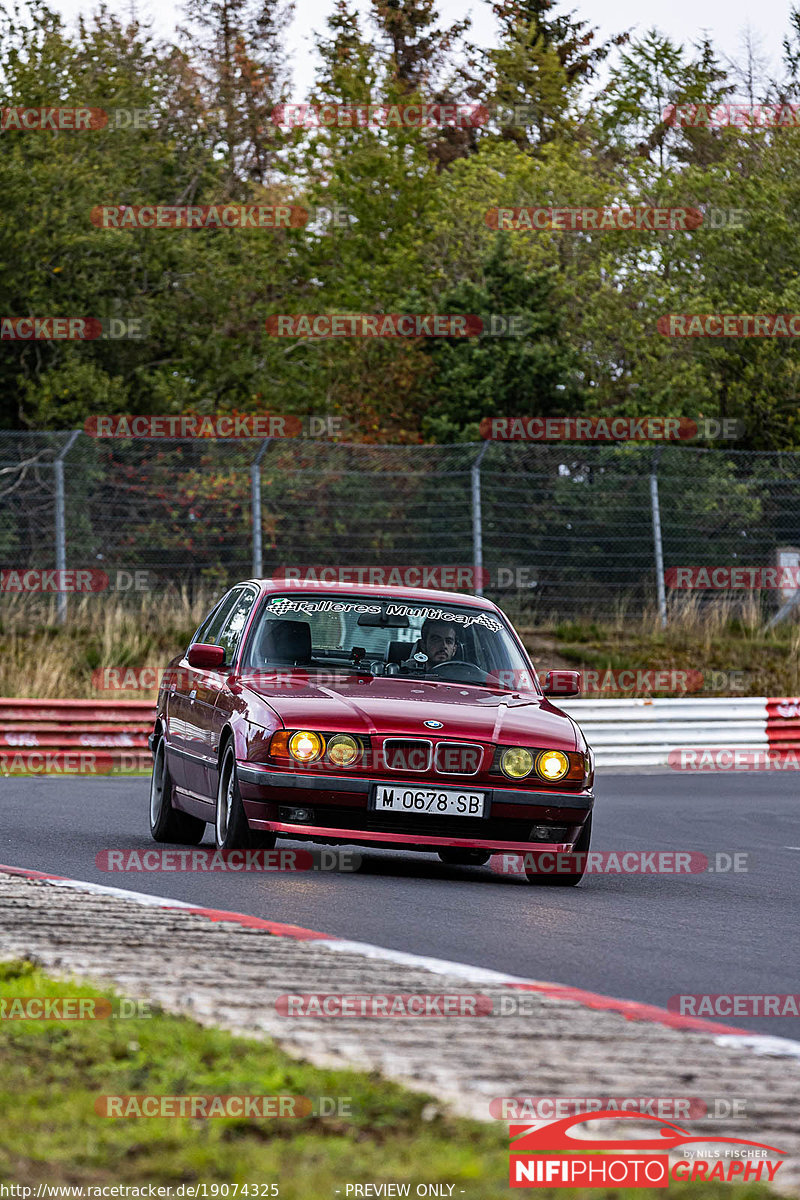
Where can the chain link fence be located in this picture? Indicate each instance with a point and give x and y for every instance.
(560, 529)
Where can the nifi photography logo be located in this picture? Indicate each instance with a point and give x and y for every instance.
(549, 1155)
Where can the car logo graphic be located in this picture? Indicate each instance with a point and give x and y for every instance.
(556, 1135)
(432, 724)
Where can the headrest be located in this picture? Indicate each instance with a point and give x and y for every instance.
(286, 641)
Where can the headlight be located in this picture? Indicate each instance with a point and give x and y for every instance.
(344, 750)
(552, 765)
(306, 747)
(516, 762)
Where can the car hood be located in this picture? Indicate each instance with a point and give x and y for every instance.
(380, 705)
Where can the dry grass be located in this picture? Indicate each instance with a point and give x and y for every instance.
(39, 658)
(724, 639)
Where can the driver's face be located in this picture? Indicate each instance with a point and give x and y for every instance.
(440, 646)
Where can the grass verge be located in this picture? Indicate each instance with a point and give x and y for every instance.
(53, 1072)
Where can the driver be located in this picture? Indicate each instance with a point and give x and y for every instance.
(439, 640)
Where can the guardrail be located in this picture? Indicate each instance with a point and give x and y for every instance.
(623, 733)
(643, 732)
(115, 729)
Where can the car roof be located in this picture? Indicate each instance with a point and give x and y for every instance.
(378, 591)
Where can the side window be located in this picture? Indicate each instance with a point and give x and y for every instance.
(210, 629)
(235, 622)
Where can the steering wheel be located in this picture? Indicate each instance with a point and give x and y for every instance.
(474, 674)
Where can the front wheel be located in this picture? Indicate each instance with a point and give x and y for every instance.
(168, 824)
(566, 880)
(231, 829)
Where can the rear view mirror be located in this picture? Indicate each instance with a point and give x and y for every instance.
(562, 683)
(203, 655)
(382, 621)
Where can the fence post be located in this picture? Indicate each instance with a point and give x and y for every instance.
(255, 510)
(477, 526)
(659, 549)
(61, 523)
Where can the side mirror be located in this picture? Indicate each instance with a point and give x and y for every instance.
(562, 683)
(202, 655)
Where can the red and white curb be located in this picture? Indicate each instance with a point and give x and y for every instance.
(632, 1010)
(691, 733)
(638, 732)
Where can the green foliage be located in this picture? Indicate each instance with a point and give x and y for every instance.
(411, 230)
(502, 373)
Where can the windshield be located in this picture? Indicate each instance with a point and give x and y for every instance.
(343, 634)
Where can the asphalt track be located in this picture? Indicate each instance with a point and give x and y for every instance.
(639, 937)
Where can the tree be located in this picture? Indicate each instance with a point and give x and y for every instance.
(238, 51)
(636, 108)
(521, 365)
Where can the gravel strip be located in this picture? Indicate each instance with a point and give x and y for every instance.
(225, 975)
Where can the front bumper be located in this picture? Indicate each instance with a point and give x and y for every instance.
(340, 813)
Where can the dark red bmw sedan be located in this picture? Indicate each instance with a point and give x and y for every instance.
(383, 716)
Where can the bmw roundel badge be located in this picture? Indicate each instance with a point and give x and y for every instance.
(432, 724)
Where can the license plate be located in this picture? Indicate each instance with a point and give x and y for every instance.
(437, 802)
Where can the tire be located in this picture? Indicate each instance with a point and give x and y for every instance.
(168, 824)
(231, 830)
(465, 858)
(580, 847)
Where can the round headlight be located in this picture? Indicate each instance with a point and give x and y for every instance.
(343, 750)
(516, 762)
(306, 747)
(552, 765)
